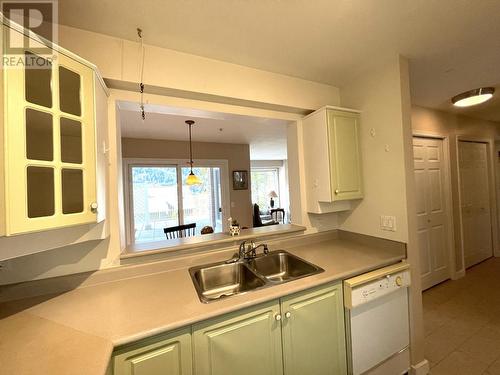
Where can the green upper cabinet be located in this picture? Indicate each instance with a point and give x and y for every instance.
(50, 155)
(332, 159)
(246, 342)
(313, 332)
(166, 355)
(345, 164)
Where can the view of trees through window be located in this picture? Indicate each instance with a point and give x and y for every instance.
(158, 203)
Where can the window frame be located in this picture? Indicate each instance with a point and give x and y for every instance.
(129, 163)
(266, 169)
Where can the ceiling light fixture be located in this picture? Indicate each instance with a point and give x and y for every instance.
(191, 179)
(473, 97)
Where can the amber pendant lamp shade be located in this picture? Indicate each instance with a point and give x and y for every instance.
(191, 179)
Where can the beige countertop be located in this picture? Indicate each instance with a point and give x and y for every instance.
(209, 240)
(74, 332)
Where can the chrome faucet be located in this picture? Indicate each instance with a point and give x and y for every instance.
(265, 249)
(248, 251)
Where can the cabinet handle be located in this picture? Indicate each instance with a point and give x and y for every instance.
(93, 207)
(288, 314)
(278, 317)
(337, 191)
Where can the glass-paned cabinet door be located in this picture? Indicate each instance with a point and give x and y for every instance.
(50, 145)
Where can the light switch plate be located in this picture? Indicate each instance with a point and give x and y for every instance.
(388, 223)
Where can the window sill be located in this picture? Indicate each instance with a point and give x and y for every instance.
(207, 241)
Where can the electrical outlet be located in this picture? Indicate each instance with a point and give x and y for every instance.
(388, 223)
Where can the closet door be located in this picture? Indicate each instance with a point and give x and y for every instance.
(475, 202)
(432, 226)
(50, 145)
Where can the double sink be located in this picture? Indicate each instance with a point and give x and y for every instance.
(224, 279)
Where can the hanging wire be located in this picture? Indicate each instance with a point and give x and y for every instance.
(190, 123)
(141, 84)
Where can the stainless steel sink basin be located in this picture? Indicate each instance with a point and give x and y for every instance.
(280, 266)
(223, 280)
(215, 281)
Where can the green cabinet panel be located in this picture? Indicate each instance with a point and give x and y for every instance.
(246, 342)
(345, 157)
(313, 332)
(299, 334)
(168, 354)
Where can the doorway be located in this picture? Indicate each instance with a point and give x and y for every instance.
(475, 204)
(433, 225)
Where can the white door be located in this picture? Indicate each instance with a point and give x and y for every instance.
(432, 222)
(475, 202)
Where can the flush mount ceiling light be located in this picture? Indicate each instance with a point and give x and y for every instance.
(191, 179)
(473, 97)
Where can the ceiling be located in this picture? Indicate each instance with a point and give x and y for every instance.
(266, 137)
(453, 45)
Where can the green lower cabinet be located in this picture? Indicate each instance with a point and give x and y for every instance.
(301, 334)
(169, 354)
(246, 342)
(313, 332)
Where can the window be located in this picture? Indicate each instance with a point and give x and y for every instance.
(159, 198)
(201, 204)
(263, 181)
(155, 201)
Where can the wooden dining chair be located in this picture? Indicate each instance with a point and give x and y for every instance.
(180, 231)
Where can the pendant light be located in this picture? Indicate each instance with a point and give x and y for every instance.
(191, 179)
(473, 97)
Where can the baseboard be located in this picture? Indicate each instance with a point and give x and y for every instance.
(421, 368)
(458, 274)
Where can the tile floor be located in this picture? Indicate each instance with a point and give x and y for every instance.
(462, 323)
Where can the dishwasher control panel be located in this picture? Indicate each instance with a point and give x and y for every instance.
(377, 288)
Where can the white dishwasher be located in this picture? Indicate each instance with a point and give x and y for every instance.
(377, 321)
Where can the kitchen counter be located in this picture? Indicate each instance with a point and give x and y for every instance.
(209, 240)
(74, 332)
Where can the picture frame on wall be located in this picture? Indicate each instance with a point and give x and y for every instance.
(240, 180)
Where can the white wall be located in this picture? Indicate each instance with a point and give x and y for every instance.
(378, 96)
(118, 59)
(383, 96)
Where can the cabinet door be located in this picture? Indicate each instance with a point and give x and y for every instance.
(314, 333)
(169, 354)
(345, 157)
(246, 342)
(49, 145)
